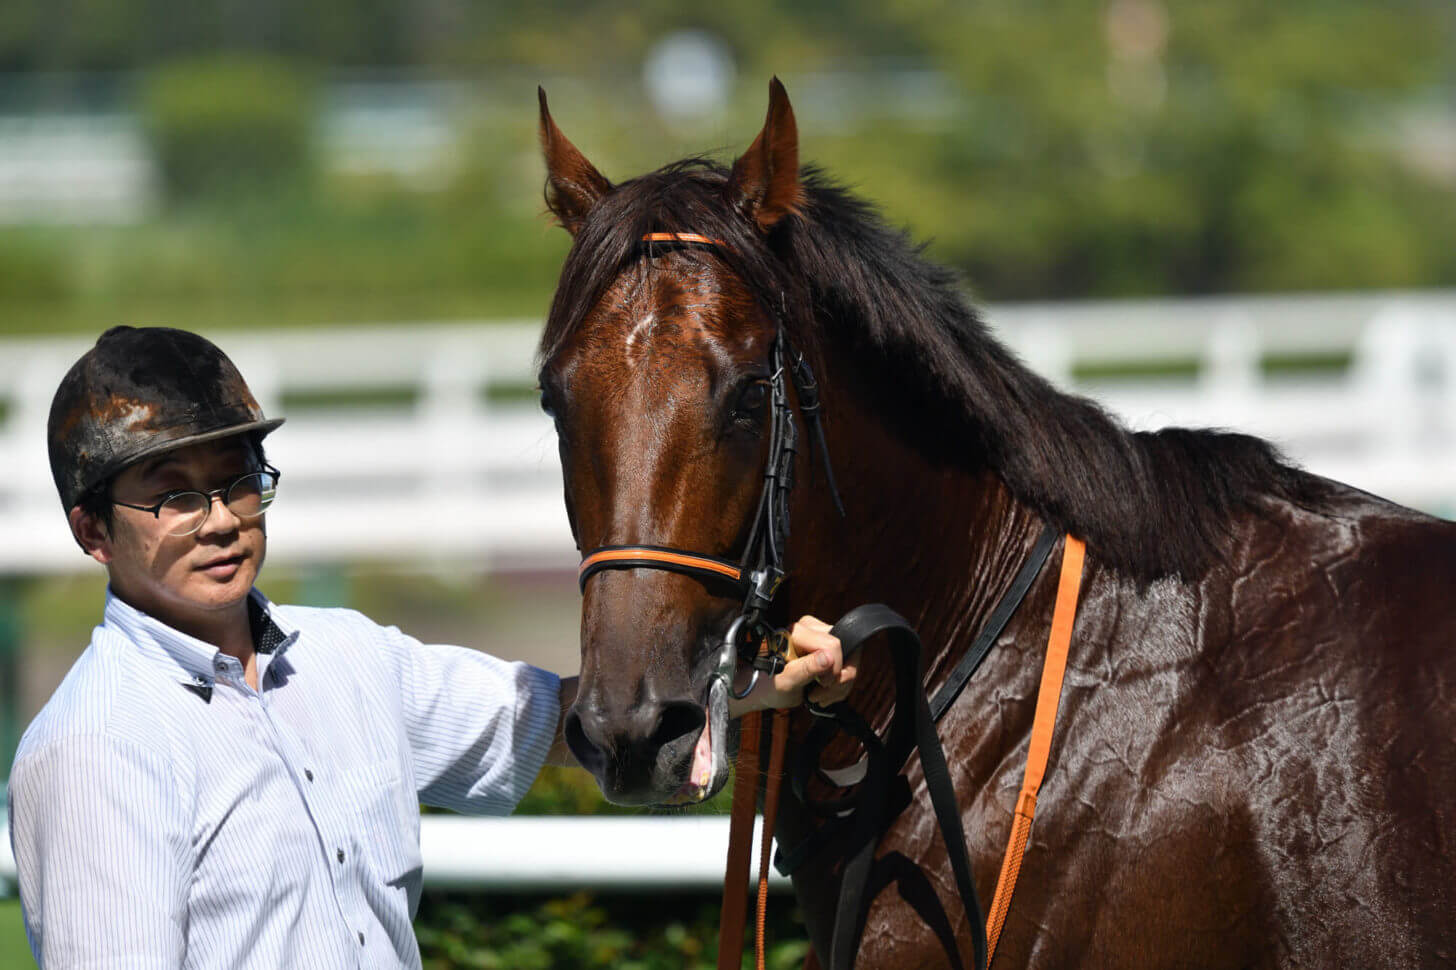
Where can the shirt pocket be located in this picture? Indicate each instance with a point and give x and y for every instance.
(389, 827)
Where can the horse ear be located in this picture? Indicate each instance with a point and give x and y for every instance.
(764, 184)
(573, 185)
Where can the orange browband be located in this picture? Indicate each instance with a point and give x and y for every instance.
(632, 554)
(684, 237)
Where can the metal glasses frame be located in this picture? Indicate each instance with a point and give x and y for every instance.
(224, 492)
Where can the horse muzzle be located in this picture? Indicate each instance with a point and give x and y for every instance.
(654, 752)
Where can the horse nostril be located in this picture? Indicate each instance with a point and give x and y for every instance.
(678, 719)
(586, 748)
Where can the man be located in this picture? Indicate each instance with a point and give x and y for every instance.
(221, 781)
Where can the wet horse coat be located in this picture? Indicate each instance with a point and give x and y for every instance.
(1255, 761)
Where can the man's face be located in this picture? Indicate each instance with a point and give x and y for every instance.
(192, 581)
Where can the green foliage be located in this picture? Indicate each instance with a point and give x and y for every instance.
(14, 950)
(32, 267)
(1063, 150)
(1139, 147)
(666, 931)
(225, 125)
(572, 791)
(567, 791)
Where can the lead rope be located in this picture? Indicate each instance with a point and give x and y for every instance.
(772, 782)
(1048, 699)
(740, 836)
(730, 927)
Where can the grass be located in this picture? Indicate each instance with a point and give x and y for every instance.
(14, 950)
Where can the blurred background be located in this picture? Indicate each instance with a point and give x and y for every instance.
(1227, 213)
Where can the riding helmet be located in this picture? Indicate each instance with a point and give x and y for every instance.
(139, 392)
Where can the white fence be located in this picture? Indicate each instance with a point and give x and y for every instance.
(445, 475)
(457, 476)
(558, 853)
(455, 473)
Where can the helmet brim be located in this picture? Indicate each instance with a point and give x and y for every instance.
(156, 448)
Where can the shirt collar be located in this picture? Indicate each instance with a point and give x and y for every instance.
(195, 659)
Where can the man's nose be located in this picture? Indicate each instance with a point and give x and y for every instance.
(219, 517)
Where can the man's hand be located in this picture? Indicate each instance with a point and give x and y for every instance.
(818, 666)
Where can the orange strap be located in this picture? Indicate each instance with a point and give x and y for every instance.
(740, 834)
(685, 237)
(1043, 723)
(630, 553)
(771, 784)
(740, 837)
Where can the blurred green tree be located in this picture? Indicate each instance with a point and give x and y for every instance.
(1065, 149)
(228, 125)
(1139, 146)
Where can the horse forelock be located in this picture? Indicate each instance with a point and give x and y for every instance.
(1148, 503)
(687, 197)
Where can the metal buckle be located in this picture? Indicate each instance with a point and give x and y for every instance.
(763, 584)
(728, 660)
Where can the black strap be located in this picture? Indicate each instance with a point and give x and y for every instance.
(806, 754)
(911, 727)
(1010, 600)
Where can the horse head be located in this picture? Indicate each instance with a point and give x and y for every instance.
(656, 367)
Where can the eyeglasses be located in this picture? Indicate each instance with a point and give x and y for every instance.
(182, 513)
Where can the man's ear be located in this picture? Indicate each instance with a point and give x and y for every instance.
(90, 534)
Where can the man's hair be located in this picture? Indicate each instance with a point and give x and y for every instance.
(96, 502)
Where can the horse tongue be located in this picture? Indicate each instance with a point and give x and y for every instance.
(702, 772)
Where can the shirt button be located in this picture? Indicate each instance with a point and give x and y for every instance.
(361, 937)
(308, 773)
(341, 855)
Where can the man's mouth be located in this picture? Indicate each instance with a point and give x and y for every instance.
(222, 568)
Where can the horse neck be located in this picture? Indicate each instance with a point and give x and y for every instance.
(928, 533)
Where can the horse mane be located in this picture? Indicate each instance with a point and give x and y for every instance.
(1149, 503)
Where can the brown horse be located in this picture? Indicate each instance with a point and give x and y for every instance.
(1255, 763)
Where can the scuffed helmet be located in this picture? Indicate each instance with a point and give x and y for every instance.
(139, 392)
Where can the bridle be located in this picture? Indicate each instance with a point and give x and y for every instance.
(758, 573)
(856, 822)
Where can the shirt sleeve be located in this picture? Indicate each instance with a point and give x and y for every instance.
(479, 727)
(101, 842)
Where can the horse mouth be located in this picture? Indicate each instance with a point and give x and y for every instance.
(697, 786)
(709, 768)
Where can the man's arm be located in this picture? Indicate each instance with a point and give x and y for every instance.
(101, 841)
(479, 727)
(560, 755)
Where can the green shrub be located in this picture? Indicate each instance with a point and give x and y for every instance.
(32, 270)
(224, 125)
(572, 791)
(654, 931)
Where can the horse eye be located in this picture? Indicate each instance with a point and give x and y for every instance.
(751, 400)
(546, 404)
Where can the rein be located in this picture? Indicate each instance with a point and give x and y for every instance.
(864, 816)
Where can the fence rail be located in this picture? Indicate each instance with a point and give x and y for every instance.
(446, 463)
(422, 430)
(556, 853)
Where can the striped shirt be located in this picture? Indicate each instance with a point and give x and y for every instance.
(165, 814)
